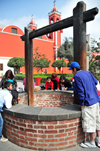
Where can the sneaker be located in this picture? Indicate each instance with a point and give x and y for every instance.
(97, 141)
(88, 144)
(3, 139)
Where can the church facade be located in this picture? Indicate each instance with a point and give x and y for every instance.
(11, 44)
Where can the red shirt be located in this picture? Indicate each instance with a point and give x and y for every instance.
(72, 78)
(49, 85)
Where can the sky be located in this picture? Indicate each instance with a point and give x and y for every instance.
(19, 12)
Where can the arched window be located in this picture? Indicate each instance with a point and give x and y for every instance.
(57, 20)
(51, 20)
(14, 30)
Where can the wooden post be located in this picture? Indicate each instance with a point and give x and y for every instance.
(79, 27)
(26, 59)
(29, 67)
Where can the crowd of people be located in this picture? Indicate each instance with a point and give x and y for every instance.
(86, 87)
(54, 83)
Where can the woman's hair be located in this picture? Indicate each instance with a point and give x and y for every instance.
(54, 75)
(62, 77)
(11, 74)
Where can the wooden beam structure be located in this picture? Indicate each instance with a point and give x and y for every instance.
(78, 21)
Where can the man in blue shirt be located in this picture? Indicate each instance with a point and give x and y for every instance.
(84, 85)
(5, 100)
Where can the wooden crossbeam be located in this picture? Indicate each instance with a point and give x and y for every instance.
(65, 23)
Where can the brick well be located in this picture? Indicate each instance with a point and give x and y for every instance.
(49, 98)
(44, 128)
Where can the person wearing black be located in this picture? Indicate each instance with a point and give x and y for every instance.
(10, 77)
(64, 83)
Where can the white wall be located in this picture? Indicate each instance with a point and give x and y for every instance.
(4, 61)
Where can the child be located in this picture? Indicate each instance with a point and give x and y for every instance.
(48, 84)
(62, 87)
(64, 83)
(5, 100)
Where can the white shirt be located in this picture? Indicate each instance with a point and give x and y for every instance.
(98, 86)
(8, 101)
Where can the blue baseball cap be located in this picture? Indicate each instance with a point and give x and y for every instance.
(73, 65)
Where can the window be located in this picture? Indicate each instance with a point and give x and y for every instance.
(57, 19)
(52, 21)
(14, 30)
(1, 67)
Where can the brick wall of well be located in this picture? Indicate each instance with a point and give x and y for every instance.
(44, 135)
(49, 99)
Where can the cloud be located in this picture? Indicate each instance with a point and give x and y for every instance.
(5, 22)
(41, 22)
(66, 11)
(20, 22)
(92, 26)
(24, 21)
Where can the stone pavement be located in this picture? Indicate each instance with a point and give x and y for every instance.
(9, 146)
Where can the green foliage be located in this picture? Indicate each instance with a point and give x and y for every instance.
(38, 55)
(66, 50)
(16, 62)
(39, 59)
(92, 65)
(20, 76)
(95, 45)
(43, 76)
(41, 63)
(59, 64)
(69, 63)
(97, 57)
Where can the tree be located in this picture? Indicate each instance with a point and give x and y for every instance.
(41, 63)
(16, 62)
(38, 55)
(66, 50)
(94, 63)
(59, 64)
(36, 60)
(95, 45)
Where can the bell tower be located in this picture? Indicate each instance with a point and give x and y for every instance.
(32, 24)
(55, 16)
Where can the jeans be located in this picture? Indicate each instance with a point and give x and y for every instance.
(1, 125)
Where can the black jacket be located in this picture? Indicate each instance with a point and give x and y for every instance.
(67, 83)
(4, 79)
